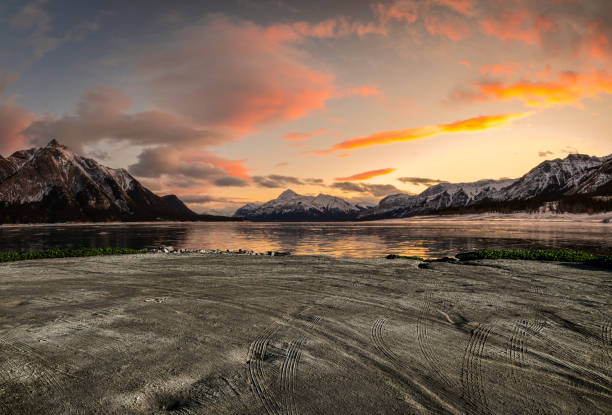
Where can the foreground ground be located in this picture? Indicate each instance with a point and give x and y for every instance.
(263, 335)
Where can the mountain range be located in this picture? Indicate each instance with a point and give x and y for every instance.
(53, 184)
(577, 183)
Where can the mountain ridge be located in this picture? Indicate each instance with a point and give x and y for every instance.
(577, 183)
(53, 184)
(292, 207)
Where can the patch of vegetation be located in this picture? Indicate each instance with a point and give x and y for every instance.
(67, 253)
(563, 255)
(395, 256)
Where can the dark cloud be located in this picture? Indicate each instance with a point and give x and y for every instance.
(178, 172)
(373, 189)
(545, 153)
(6, 81)
(204, 199)
(154, 162)
(275, 181)
(230, 181)
(420, 180)
(102, 115)
(34, 21)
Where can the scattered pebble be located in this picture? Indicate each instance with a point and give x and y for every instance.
(173, 250)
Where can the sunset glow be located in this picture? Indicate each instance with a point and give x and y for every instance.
(235, 102)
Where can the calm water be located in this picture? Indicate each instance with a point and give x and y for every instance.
(427, 238)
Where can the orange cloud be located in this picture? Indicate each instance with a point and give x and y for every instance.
(480, 123)
(517, 26)
(233, 168)
(597, 44)
(303, 136)
(505, 69)
(570, 88)
(365, 175)
(467, 64)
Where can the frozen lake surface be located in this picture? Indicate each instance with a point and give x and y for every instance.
(425, 236)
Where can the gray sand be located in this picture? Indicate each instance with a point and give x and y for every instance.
(224, 334)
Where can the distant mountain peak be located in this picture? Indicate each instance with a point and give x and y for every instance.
(53, 184)
(287, 194)
(55, 144)
(290, 206)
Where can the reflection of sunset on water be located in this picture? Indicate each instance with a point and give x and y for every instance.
(424, 237)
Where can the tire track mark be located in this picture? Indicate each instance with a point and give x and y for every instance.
(606, 336)
(288, 371)
(516, 351)
(472, 383)
(255, 375)
(422, 328)
(377, 338)
(565, 365)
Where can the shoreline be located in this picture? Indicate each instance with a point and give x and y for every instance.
(485, 217)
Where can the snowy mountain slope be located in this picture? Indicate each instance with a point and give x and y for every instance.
(53, 184)
(553, 177)
(597, 182)
(290, 206)
(577, 174)
(440, 196)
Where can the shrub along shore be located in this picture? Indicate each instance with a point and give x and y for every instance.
(67, 253)
(559, 255)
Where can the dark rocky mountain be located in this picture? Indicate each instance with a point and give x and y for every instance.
(292, 207)
(53, 184)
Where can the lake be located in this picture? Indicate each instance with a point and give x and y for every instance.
(426, 237)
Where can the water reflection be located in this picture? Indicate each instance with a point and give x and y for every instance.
(427, 238)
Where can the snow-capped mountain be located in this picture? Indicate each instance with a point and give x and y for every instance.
(290, 206)
(53, 184)
(577, 175)
(557, 177)
(438, 197)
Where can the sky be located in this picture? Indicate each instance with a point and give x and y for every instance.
(234, 101)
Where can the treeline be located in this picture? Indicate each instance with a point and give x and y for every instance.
(565, 204)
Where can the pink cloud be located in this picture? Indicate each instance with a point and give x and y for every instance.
(13, 120)
(505, 69)
(233, 168)
(303, 136)
(520, 25)
(237, 75)
(400, 10)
